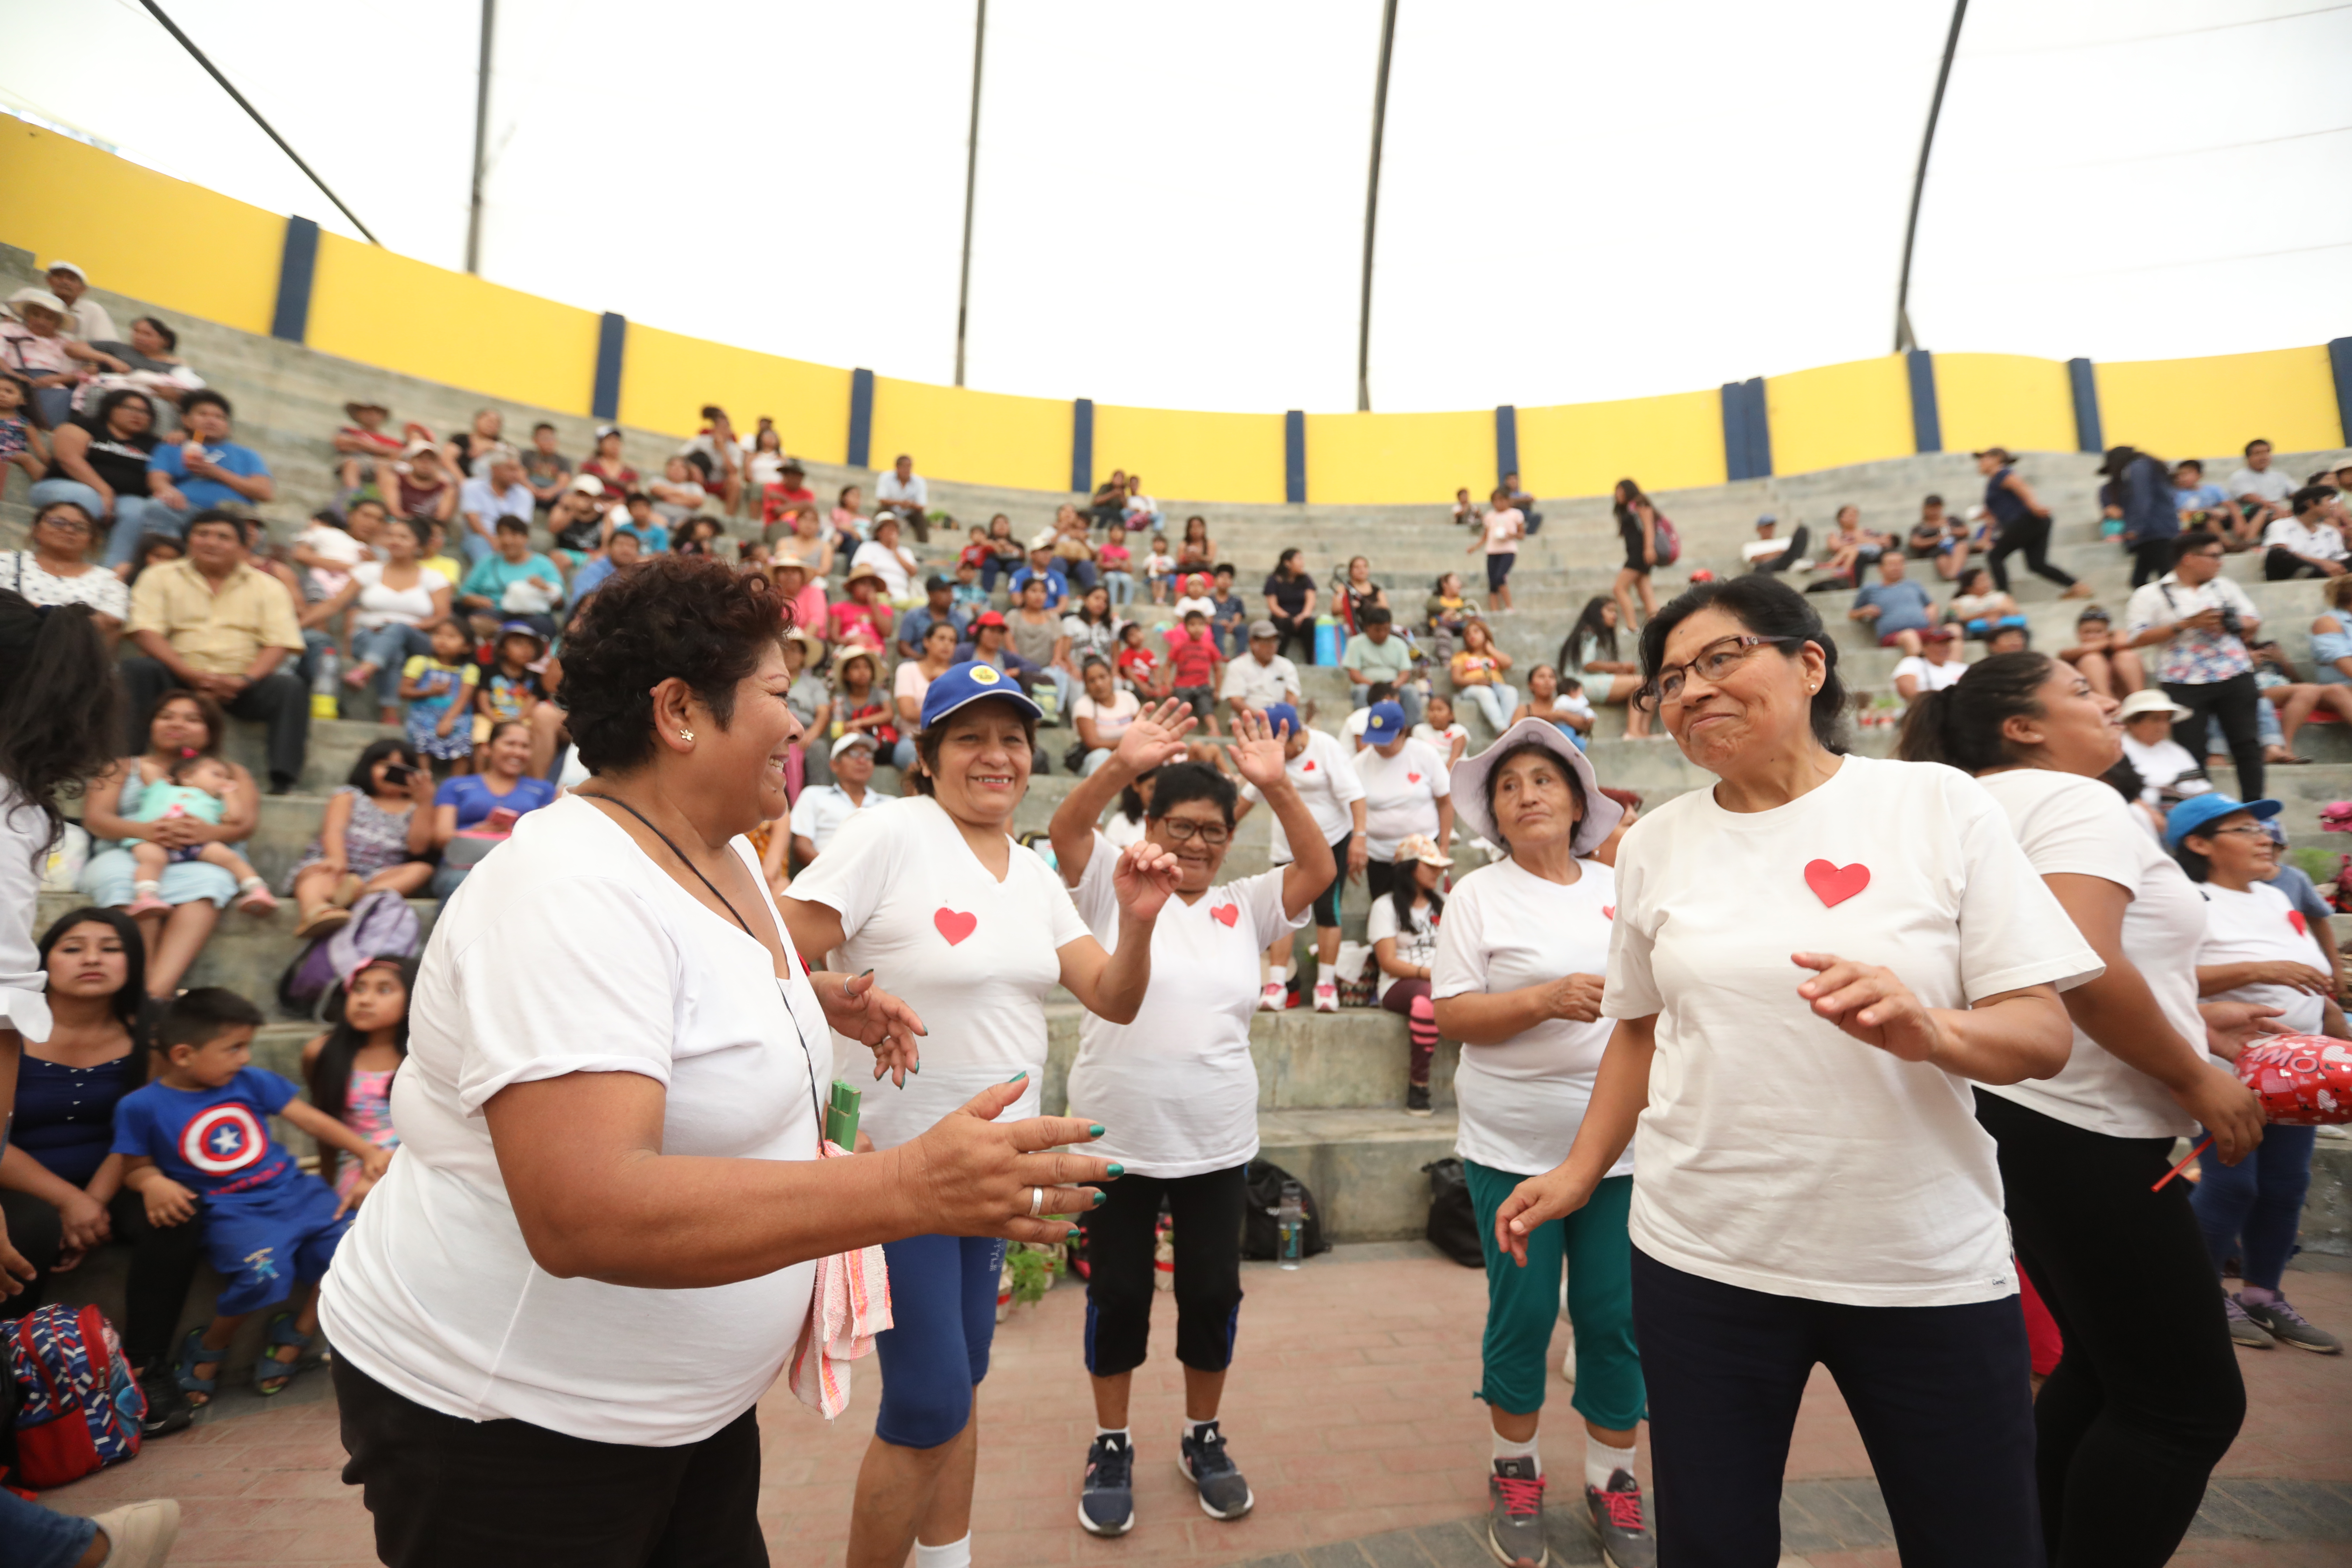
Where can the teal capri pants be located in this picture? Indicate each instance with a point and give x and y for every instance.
(1522, 1304)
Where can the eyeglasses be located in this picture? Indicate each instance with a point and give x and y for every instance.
(1209, 833)
(1714, 661)
(2250, 829)
(69, 523)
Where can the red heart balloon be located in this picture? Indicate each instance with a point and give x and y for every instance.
(1226, 914)
(1834, 885)
(954, 924)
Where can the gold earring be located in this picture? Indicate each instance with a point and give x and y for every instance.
(686, 735)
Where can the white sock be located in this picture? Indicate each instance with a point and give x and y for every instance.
(954, 1554)
(1602, 1461)
(1507, 1449)
(146, 887)
(1192, 1428)
(1277, 974)
(1120, 1432)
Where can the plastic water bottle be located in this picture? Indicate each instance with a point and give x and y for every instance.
(1326, 640)
(325, 701)
(1290, 1226)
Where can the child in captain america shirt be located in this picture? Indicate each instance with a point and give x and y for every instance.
(197, 1148)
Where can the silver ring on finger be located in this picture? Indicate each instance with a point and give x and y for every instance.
(1036, 1202)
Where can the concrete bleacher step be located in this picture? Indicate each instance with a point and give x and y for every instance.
(246, 953)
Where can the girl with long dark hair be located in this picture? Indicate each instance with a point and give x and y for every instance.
(348, 1069)
(1589, 653)
(1637, 528)
(1402, 932)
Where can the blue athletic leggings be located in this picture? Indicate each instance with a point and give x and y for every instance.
(943, 1317)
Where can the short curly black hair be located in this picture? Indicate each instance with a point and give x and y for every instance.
(692, 617)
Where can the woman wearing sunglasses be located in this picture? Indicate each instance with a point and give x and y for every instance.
(1810, 963)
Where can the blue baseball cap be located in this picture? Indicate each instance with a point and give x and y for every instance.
(1280, 713)
(972, 681)
(2191, 815)
(1384, 724)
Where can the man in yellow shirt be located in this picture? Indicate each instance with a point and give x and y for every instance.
(211, 622)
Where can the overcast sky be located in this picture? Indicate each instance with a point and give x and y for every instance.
(1581, 199)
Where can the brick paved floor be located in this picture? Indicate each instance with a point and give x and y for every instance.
(1350, 1408)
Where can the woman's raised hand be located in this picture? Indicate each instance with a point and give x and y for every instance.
(1144, 877)
(883, 1024)
(1871, 1003)
(974, 1175)
(1155, 736)
(1258, 752)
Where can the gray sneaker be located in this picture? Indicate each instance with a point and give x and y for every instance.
(1515, 1514)
(2243, 1331)
(1617, 1519)
(2289, 1327)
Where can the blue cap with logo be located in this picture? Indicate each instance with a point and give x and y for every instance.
(1384, 724)
(2192, 815)
(972, 681)
(1277, 714)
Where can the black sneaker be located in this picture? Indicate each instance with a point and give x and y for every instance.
(1416, 1100)
(168, 1410)
(1617, 1519)
(1203, 1458)
(1107, 1506)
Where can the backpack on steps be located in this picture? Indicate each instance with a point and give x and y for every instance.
(78, 1406)
(382, 926)
(1452, 1218)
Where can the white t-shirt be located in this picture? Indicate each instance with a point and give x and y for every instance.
(1778, 1153)
(378, 606)
(2161, 765)
(323, 539)
(2262, 925)
(1260, 686)
(1505, 929)
(1440, 740)
(1351, 728)
(1503, 526)
(1118, 830)
(2270, 484)
(973, 956)
(102, 591)
(434, 1293)
(821, 810)
(911, 490)
(2071, 825)
(1185, 607)
(896, 567)
(1932, 676)
(1401, 795)
(2320, 543)
(910, 680)
(1111, 724)
(1176, 1087)
(1764, 549)
(1325, 780)
(1416, 940)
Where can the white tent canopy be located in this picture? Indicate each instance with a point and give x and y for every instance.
(1581, 200)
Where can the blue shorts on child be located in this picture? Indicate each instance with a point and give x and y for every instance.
(266, 1241)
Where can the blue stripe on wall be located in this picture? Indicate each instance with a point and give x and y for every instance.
(1927, 420)
(1760, 428)
(296, 267)
(611, 350)
(1735, 431)
(1082, 447)
(861, 418)
(2339, 358)
(1507, 442)
(2088, 434)
(1293, 457)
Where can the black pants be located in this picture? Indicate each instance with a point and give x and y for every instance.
(163, 1260)
(1789, 557)
(451, 1493)
(2147, 1397)
(278, 699)
(1327, 903)
(2281, 564)
(2151, 559)
(1206, 1211)
(2030, 534)
(1299, 629)
(1940, 1394)
(2236, 703)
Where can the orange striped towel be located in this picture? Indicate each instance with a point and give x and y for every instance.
(848, 1305)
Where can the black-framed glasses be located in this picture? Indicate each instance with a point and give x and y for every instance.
(1717, 660)
(1212, 834)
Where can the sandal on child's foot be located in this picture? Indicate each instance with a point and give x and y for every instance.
(272, 1372)
(194, 1353)
(257, 899)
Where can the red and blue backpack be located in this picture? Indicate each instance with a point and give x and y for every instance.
(79, 1405)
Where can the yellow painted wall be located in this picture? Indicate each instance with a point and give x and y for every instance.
(380, 308)
(1396, 457)
(2003, 400)
(2200, 408)
(979, 437)
(667, 378)
(1184, 455)
(134, 231)
(1838, 413)
(1584, 448)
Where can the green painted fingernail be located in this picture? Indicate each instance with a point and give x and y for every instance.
(1016, 1077)
(1101, 1198)
(1117, 1169)
(1096, 1130)
(1073, 1235)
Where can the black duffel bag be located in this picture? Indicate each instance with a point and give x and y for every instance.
(1453, 1220)
(1261, 1231)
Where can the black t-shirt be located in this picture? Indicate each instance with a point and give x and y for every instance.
(120, 462)
(1290, 593)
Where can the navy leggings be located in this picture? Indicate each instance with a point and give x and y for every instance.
(2254, 1208)
(943, 1318)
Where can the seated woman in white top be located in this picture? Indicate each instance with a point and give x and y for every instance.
(1103, 714)
(595, 1249)
(893, 561)
(391, 601)
(2162, 762)
(1809, 965)
(1937, 666)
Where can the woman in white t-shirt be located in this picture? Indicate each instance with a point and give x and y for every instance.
(1811, 962)
(932, 892)
(391, 601)
(1518, 980)
(1177, 1086)
(2259, 949)
(1407, 794)
(1402, 931)
(1103, 714)
(597, 1246)
(1932, 669)
(2146, 1397)
(54, 571)
(1324, 772)
(2161, 761)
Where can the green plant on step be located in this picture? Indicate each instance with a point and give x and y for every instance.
(1033, 1266)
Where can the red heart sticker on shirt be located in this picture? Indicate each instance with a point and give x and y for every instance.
(1834, 885)
(1226, 914)
(954, 925)
(1307, 766)
(1413, 778)
(1608, 911)
(2294, 918)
